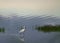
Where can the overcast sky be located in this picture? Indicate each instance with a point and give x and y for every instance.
(27, 6)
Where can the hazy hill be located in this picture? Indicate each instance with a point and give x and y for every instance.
(12, 24)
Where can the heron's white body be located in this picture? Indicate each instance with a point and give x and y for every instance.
(22, 30)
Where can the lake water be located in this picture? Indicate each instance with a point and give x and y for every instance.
(9, 38)
(31, 36)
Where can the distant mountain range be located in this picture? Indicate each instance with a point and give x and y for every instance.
(14, 22)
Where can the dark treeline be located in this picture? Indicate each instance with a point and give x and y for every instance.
(2, 29)
(49, 28)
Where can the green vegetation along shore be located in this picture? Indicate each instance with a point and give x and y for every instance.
(48, 28)
(2, 29)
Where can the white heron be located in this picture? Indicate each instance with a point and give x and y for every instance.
(21, 32)
(22, 29)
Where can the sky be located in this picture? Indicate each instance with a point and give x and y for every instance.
(30, 7)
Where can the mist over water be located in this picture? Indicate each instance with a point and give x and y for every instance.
(12, 26)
